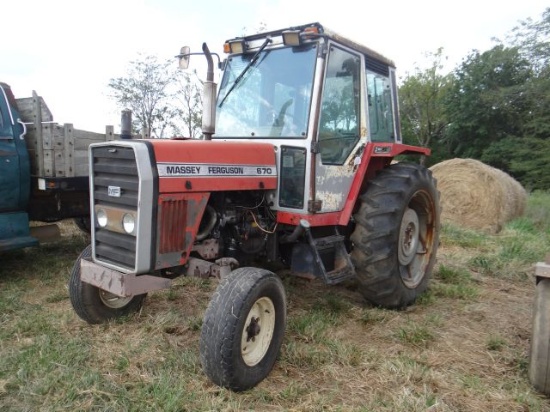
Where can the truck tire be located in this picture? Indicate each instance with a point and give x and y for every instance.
(243, 328)
(95, 305)
(396, 235)
(83, 223)
(539, 360)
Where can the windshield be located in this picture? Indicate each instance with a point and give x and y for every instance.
(273, 97)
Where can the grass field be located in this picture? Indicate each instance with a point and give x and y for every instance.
(464, 346)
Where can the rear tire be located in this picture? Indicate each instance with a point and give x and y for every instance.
(243, 328)
(539, 362)
(396, 235)
(95, 305)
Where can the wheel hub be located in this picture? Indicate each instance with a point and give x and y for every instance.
(113, 301)
(408, 237)
(253, 329)
(258, 331)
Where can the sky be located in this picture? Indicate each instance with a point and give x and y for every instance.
(68, 50)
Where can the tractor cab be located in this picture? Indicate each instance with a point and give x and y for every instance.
(319, 98)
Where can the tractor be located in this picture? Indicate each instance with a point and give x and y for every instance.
(296, 167)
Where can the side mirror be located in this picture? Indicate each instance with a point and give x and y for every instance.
(184, 55)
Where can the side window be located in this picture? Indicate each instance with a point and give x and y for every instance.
(340, 107)
(380, 108)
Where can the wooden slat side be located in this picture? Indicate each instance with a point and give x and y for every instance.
(69, 150)
(28, 107)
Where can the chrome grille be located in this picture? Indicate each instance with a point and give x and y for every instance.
(115, 166)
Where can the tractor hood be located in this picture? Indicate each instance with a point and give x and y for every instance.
(213, 165)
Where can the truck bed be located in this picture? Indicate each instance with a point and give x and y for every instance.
(56, 150)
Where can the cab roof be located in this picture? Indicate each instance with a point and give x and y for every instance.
(322, 32)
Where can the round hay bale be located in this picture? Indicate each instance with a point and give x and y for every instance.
(476, 195)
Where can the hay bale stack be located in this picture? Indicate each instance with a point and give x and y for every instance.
(478, 196)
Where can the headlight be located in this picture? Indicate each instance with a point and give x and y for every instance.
(128, 223)
(101, 217)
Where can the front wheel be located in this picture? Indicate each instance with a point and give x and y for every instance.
(243, 328)
(95, 305)
(396, 235)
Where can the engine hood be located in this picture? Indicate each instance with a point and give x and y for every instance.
(211, 165)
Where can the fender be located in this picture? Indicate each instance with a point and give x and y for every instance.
(376, 156)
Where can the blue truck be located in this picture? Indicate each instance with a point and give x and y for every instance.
(43, 170)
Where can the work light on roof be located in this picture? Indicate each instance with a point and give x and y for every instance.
(236, 46)
(291, 37)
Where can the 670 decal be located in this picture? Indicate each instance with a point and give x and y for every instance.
(264, 170)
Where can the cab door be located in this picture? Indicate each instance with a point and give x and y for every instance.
(10, 185)
(341, 130)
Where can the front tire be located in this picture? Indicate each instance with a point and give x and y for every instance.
(83, 223)
(243, 328)
(539, 361)
(95, 305)
(396, 235)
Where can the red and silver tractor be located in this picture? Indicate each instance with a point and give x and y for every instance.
(295, 167)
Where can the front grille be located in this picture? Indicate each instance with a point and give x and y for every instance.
(115, 166)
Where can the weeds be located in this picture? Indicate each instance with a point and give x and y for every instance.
(495, 343)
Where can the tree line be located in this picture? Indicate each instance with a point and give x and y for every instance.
(493, 107)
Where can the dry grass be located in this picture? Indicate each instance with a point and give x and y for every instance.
(463, 347)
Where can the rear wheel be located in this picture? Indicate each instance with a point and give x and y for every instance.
(95, 305)
(243, 328)
(396, 235)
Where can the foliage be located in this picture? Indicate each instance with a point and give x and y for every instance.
(527, 159)
(188, 94)
(493, 107)
(420, 99)
(487, 101)
(151, 90)
(532, 38)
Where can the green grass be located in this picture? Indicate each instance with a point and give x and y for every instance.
(538, 211)
(495, 343)
(510, 254)
(465, 238)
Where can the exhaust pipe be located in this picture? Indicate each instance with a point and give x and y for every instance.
(209, 98)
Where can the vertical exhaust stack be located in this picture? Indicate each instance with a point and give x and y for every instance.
(126, 124)
(209, 98)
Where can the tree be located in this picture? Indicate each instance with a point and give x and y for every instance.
(532, 38)
(164, 100)
(145, 91)
(421, 104)
(527, 156)
(527, 159)
(487, 101)
(189, 96)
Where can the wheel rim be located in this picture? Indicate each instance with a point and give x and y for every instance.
(113, 301)
(408, 237)
(258, 331)
(416, 239)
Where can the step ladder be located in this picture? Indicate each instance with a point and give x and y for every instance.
(340, 267)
